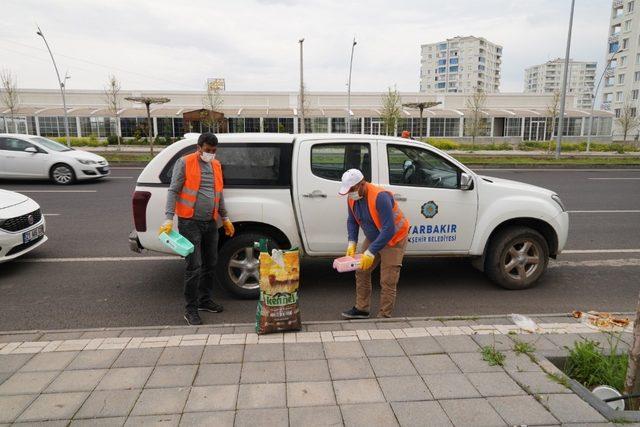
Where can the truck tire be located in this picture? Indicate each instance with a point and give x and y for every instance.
(517, 257)
(238, 268)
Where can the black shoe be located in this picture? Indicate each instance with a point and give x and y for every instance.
(192, 318)
(211, 307)
(354, 313)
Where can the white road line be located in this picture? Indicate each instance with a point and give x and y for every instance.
(609, 211)
(601, 251)
(557, 170)
(610, 179)
(597, 263)
(56, 191)
(100, 259)
(51, 214)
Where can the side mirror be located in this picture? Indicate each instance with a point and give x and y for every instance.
(31, 150)
(466, 182)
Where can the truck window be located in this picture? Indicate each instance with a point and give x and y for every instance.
(247, 165)
(330, 161)
(416, 167)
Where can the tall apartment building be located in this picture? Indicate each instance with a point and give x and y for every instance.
(621, 82)
(460, 65)
(547, 78)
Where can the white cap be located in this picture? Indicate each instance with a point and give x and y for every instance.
(349, 179)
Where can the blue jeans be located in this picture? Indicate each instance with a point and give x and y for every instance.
(198, 276)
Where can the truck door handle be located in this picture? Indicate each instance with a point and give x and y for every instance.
(399, 198)
(314, 194)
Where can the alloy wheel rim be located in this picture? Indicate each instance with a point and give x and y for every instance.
(62, 175)
(244, 269)
(522, 260)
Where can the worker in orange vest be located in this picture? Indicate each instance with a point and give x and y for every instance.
(385, 227)
(196, 196)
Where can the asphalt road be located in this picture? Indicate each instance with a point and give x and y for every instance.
(94, 219)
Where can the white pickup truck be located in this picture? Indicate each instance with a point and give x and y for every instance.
(285, 187)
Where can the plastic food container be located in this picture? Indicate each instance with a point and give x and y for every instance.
(177, 242)
(347, 263)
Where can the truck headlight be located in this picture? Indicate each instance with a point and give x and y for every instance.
(87, 162)
(556, 199)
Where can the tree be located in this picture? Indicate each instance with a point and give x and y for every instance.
(553, 109)
(10, 97)
(475, 124)
(211, 101)
(112, 99)
(147, 101)
(628, 120)
(421, 106)
(632, 381)
(390, 113)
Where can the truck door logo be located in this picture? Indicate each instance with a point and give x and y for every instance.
(429, 209)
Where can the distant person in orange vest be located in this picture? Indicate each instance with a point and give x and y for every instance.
(406, 134)
(385, 227)
(196, 196)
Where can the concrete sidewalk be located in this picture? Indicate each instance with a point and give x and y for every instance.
(398, 372)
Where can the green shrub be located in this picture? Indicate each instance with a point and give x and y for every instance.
(442, 144)
(112, 140)
(591, 366)
(84, 141)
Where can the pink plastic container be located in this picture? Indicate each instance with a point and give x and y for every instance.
(347, 263)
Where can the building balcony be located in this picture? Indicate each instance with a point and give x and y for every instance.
(606, 106)
(618, 3)
(613, 38)
(610, 72)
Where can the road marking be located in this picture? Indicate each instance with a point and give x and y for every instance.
(125, 168)
(51, 214)
(100, 259)
(609, 211)
(557, 170)
(608, 179)
(56, 191)
(601, 251)
(630, 262)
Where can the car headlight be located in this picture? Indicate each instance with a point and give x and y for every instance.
(87, 162)
(556, 199)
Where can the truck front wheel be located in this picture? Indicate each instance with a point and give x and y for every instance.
(238, 268)
(517, 257)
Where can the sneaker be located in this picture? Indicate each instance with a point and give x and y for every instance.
(192, 318)
(354, 313)
(211, 307)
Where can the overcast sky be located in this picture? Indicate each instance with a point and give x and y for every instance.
(253, 44)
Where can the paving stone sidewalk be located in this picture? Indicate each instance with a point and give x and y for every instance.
(355, 375)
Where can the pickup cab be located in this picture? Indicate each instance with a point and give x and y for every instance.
(285, 188)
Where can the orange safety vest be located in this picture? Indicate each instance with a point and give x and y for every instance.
(187, 198)
(401, 223)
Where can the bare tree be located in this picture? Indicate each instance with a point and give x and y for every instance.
(10, 97)
(475, 124)
(211, 101)
(112, 99)
(632, 382)
(628, 120)
(553, 109)
(390, 113)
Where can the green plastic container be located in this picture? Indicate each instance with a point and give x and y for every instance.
(177, 242)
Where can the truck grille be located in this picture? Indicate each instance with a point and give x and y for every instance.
(21, 222)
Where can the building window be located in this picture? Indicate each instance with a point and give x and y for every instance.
(627, 25)
(636, 76)
(631, 6)
(632, 111)
(316, 125)
(442, 46)
(634, 94)
(338, 125)
(54, 126)
(609, 81)
(453, 69)
(619, 97)
(623, 60)
(617, 112)
(613, 47)
(625, 43)
(453, 61)
(513, 126)
(620, 79)
(252, 124)
(442, 61)
(278, 125)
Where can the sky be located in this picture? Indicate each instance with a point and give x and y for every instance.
(253, 44)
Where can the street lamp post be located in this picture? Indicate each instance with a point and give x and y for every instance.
(301, 41)
(62, 87)
(595, 94)
(563, 98)
(353, 45)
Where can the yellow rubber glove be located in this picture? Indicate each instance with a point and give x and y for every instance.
(366, 262)
(166, 227)
(351, 249)
(229, 229)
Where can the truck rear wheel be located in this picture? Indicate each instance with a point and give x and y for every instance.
(238, 268)
(517, 257)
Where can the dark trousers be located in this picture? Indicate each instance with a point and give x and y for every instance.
(198, 277)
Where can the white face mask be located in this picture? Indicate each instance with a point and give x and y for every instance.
(354, 195)
(207, 157)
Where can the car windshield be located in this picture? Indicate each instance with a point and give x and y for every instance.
(49, 144)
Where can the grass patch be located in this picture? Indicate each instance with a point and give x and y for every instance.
(127, 158)
(589, 364)
(492, 356)
(521, 347)
(560, 379)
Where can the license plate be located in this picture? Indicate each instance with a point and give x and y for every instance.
(33, 234)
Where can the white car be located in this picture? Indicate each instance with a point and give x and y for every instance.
(36, 157)
(285, 188)
(22, 226)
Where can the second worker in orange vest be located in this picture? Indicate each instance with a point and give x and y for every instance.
(196, 196)
(373, 209)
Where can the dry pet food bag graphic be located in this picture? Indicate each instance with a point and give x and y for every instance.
(278, 309)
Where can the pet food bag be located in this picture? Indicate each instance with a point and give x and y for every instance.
(278, 309)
